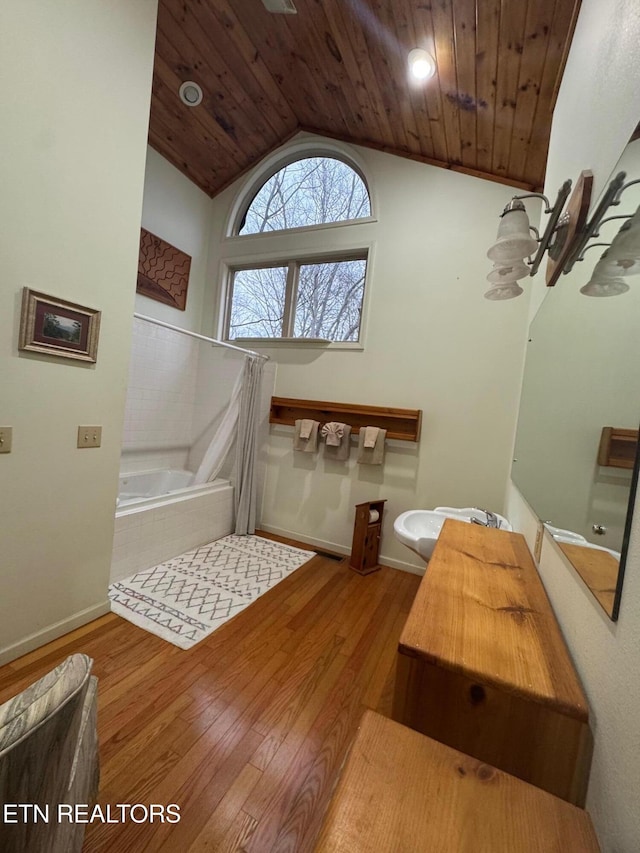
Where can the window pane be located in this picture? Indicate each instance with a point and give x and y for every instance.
(307, 192)
(257, 306)
(329, 302)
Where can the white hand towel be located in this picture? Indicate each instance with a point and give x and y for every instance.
(371, 455)
(306, 426)
(370, 436)
(332, 433)
(306, 445)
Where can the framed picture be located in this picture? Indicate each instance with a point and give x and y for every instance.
(163, 271)
(57, 327)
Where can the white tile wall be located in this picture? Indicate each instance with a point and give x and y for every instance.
(162, 389)
(146, 537)
(147, 460)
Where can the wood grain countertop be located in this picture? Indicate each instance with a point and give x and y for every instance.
(402, 792)
(482, 611)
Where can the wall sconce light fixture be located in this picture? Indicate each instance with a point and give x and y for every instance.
(622, 257)
(515, 243)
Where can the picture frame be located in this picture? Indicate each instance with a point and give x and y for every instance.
(57, 327)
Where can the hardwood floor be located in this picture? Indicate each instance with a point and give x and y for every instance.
(247, 731)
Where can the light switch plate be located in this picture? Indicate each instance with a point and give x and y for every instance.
(89, 436)
(6, 436)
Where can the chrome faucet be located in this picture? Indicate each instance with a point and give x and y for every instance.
(491, 519)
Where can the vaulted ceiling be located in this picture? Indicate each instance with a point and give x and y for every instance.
(339, 68)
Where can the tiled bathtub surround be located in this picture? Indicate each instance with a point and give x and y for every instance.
(147, 536)
(147, 460)
(162, 389)
(179, 387)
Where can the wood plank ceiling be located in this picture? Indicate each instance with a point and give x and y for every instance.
(339, 68)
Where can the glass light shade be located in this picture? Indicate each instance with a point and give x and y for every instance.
(514, 238)
(605, 287)
(507, 273)
(611, 267)
(421, 64)
(623, 256)
(503, 291)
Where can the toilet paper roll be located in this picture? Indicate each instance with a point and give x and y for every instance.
(374, 515)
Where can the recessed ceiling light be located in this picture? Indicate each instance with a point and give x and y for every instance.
(190, 93)
(421, 64)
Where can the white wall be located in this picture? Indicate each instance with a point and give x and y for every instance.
(432, 343)
(75, 88)
(598, 107)
(176, 210)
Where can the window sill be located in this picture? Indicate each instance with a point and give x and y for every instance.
(305, 343)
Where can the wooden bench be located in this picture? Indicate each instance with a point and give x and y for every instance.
(482, 665)
(402, 792)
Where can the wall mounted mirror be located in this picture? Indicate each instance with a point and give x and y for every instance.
(576, 444)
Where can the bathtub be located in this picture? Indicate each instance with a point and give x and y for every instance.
(145, 488)
(160, 514)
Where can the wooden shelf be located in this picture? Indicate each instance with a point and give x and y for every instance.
(618, 447)
(400, 424)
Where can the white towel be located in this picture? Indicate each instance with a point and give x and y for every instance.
(341, 451)
(371, 455)
(333, 433)
(370, 436)
(306, 425)
(306, 445)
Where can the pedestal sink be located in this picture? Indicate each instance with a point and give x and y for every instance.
(419, 529)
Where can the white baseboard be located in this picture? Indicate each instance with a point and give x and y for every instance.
(322, 544)
(34, 641)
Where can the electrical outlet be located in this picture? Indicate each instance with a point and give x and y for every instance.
(89, 436)
(6, 434)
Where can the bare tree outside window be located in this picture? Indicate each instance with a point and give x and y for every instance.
(329, 300)
(311, 191)
(301, 298)
(258, 303)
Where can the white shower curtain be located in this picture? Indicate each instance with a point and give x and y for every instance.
(246, 447)
(223, 439)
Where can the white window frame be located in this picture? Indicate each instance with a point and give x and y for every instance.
(274, 164)
(293, 262)
(278, 248)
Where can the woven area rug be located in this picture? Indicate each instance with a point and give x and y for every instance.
(186, 598)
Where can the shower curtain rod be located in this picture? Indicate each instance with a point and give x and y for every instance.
(200, 337)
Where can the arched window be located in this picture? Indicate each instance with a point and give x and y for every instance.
(298, 294)
(309, 191)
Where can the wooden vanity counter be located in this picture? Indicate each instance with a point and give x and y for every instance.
(403, 792)
(483, 667)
